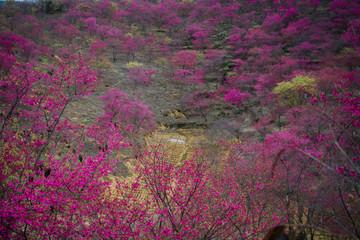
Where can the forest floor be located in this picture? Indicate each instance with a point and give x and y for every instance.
(179, 133)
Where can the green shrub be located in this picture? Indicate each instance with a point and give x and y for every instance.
(133, 65)
(295, 92)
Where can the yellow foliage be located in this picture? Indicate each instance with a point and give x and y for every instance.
(232, 74)
(168, 39)
(133, 65)
(134, 29)
(295, 92)
(161, 61)
(84, 7)
(102, 64)
(114, 7)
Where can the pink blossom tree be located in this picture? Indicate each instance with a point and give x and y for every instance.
(121, 110)
(139, 75)
(185, 60)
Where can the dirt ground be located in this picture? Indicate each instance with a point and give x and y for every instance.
(179, 132)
